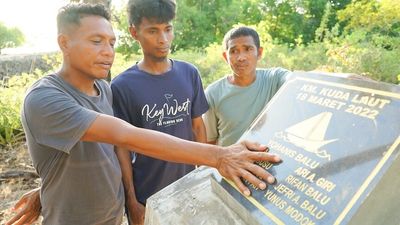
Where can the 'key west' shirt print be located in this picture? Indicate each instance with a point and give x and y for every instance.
(167, 114)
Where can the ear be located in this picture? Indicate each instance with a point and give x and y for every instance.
(133, 31)
(63, 40)
(259, 52)
(224, 54)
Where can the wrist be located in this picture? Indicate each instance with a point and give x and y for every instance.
(130, 196)
(219, 156)
(134, 204)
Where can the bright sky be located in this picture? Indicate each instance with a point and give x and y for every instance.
(37, 20)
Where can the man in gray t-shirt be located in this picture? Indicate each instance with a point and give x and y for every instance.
(70, 133)
(73, 173)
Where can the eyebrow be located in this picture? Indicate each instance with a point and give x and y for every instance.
(156, 27)
(102, 36)
(245, 45)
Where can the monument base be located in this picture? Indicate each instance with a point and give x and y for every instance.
(201, 198)
(191, 200)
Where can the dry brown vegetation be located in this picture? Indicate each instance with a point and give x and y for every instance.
(16, 178)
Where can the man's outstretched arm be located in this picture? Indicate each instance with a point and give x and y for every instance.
(233, 162)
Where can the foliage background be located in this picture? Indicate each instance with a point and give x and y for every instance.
(359, 36)
(10, 37)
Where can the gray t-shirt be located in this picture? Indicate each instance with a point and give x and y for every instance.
(81, 181)
(233, 108)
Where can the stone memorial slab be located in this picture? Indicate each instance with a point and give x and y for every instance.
(339, 140)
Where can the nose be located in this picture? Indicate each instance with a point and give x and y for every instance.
(163, 37)
(108, 50)
(241, 56)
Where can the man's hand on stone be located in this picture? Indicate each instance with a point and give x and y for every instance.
(236, 162)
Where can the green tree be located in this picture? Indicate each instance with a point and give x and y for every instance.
(296, 21)
(379, 21)
(10, 37)
(202, 22)
(198, 23)
(127, 46)
(374, 16)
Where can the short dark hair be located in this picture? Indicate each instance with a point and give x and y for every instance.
(72, 14)
(161, 11)
(240, 32)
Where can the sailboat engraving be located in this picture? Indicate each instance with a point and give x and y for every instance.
(309, 134)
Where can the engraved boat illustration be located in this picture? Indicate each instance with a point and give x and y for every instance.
(310, 134)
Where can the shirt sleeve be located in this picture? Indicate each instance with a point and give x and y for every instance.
(55, 119)
(210, 120)
(199, 103)
(119, 107)
(284, 76)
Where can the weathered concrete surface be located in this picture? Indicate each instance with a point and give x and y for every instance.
(190, 200)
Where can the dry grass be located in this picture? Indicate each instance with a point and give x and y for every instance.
(15, 158)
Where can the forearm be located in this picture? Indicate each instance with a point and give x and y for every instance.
(125, 163)
(234, 162)
(155, 144)
(166, 147)
(135, 210)
(199, 130)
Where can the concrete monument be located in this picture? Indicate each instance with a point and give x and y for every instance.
(339, 139)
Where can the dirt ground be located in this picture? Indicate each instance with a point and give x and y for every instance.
(14, 160)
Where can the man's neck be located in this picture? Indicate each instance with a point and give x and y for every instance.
(155, 67)
(242, 80)
(82, 83)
